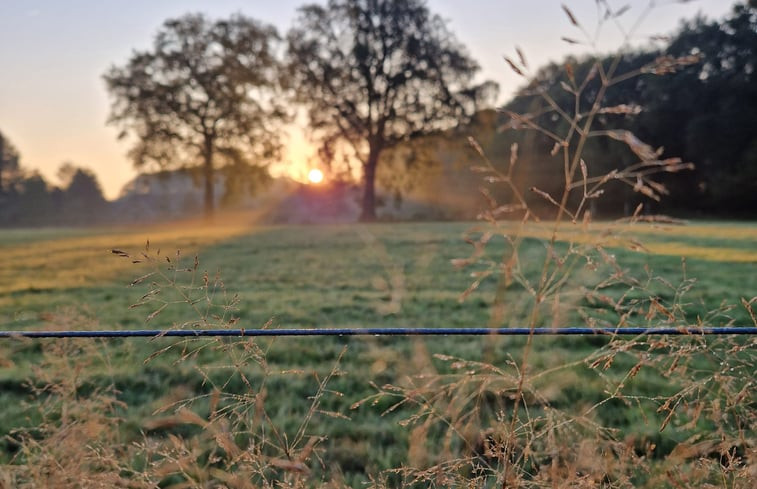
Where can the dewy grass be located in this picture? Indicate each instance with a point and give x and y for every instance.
(334, 276)
(33, 259)
(580, 412)
(492, 425)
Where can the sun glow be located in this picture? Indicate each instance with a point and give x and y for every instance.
(315, 176)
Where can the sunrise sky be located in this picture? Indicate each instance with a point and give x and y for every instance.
(53, 103)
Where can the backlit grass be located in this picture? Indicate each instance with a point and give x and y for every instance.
(329, 276)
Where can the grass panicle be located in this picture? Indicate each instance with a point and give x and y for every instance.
(598, 412)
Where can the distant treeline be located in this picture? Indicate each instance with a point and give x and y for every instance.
(27, 199)
(704, 113)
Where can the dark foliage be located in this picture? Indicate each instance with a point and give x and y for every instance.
(703, 112)
(375, 73)
(29, 200)
(9, 161)
(204, 96)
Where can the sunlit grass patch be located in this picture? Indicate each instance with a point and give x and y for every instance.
(709, 253)
(389, 274)
(34, 260)
(710, 241)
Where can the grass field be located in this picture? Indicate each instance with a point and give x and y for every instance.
(398, 274)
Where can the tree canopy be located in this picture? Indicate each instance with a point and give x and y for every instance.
(203, 96)
(27, 199)
(707, 114)
(9, 161)
(374, 73)
(702, 111)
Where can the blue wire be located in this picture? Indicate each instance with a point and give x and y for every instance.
(718, 331)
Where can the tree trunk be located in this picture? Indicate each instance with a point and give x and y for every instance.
(368, 212)
(208, 174)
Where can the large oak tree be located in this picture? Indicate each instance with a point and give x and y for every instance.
(374, 73)
(203, 96)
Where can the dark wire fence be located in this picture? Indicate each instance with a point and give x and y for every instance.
(152, 333)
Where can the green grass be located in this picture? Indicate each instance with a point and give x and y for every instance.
(330, 276)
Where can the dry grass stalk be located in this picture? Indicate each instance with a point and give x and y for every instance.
(486, 425)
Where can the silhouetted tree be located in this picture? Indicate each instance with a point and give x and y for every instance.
(552, 84)
(204, 95)
(82, 199)
(34, 203)
(702, 112)
(65, 173)
(9, 162)
(707, 114)
(374, 73)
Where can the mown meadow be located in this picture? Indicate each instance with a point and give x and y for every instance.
(349, 409)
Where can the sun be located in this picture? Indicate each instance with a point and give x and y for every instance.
(315, 176)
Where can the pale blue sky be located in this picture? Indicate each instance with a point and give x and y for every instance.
(53, 103)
